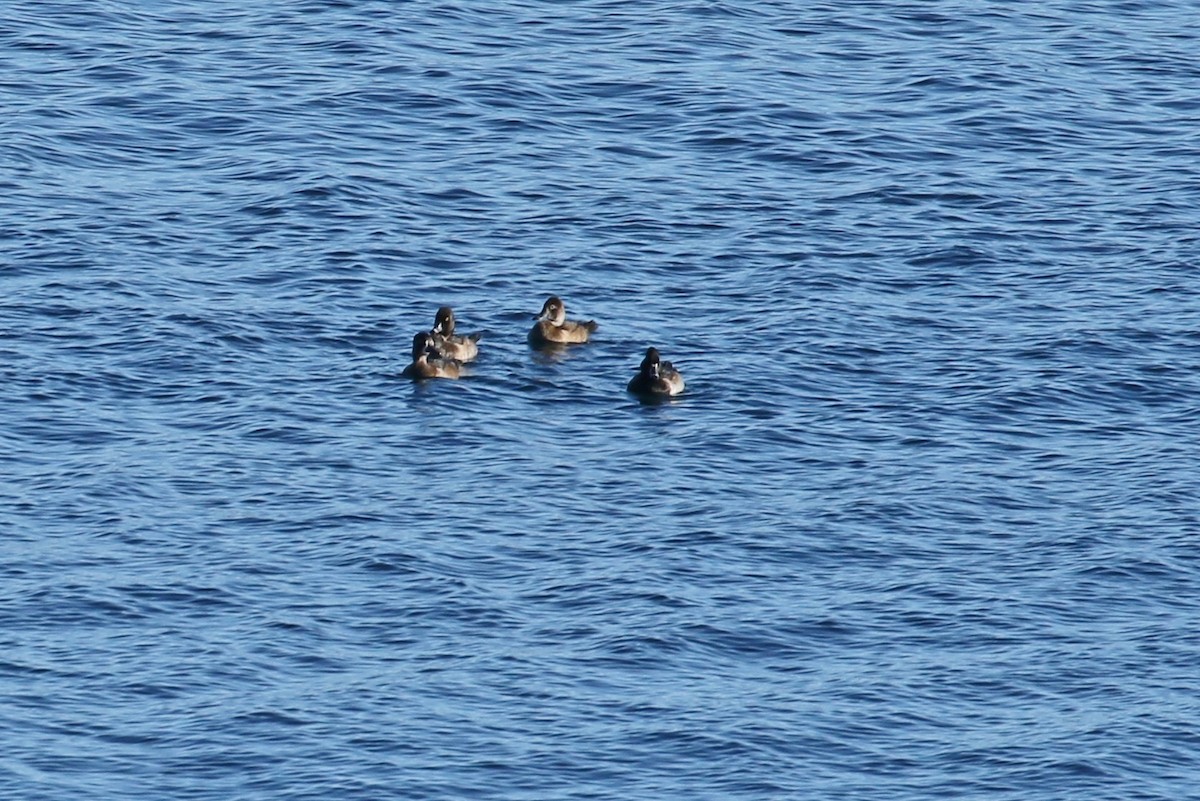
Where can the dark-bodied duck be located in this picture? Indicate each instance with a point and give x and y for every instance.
(656, 378)
(463, 347)
(553, 327)
(428, 363)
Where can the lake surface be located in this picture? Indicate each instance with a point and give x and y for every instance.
(923, 525)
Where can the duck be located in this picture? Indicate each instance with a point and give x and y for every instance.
(656, 378)
(427, 362)
(553, 327)
(461, 347)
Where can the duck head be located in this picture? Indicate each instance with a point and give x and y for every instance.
(650, 364)
(553, 311)
(444, 322)
(422, 346)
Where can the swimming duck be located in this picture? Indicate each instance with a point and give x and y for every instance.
(428, 363)
(462, 347)
(553, 327)
(656, 378)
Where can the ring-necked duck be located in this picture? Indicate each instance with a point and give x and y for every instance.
(462, 347)
(656, 378)
(428, 363)
(553, 327)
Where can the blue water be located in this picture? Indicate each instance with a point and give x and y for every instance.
(923, 525)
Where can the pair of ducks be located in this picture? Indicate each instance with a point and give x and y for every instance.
(440, 353)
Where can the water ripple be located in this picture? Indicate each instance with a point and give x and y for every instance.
(921, 523)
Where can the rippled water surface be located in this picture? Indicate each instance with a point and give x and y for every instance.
(923, 525)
